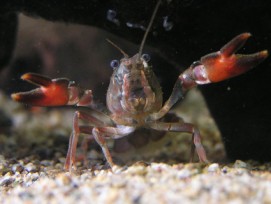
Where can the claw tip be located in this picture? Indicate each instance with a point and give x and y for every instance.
(245, 36)
(15, 97)
(264, 53)
(25, 76)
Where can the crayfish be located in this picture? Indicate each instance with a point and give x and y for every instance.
(134, 97)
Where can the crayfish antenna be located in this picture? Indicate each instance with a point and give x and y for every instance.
(124, 53)
(148, 29)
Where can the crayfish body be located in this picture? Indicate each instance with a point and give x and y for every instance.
(134, 96)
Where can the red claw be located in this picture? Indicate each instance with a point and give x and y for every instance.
(52, 92)
(225, 64)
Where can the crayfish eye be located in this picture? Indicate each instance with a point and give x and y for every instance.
(114, 64)
(196, 63)
(146, 57)
(72, 83)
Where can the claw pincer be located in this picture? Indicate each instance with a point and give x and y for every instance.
(52, 92)
(224, 64)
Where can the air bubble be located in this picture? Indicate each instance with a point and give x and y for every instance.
(166, 24)
(111, 16)
(135, 25)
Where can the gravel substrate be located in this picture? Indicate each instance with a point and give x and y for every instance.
(32, 155)
(141, 183)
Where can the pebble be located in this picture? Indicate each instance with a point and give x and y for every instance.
(240, 164)
(184, 173)
(46, 163)
(30, 167)
(213, 168)
(5, 181)
(138, 170)
(63, 179)
(25, 195)
(225, 170)
(17, 168)
(157, 182)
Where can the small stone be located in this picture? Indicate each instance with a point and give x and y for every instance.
(6, 181)
(119, 182)
(30, 167)
(2, 158)
(137, 170)
(35, 176)
(46, 163)
(85, 176)
(17, 168)
(59, 166)
(213, 167)
(117, 169)
(225, 169)
(184, 173)
(159, 167)
(240, 164)
(3, 169)
(63, 179)
(25, 195)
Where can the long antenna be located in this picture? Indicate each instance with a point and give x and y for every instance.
(148, 28)
(125, 55)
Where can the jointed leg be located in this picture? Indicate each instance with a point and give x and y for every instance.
(70, 158)
(183, 127)
(93, 120)
(102, 133)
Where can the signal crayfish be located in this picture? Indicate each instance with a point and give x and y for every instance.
(134, 97)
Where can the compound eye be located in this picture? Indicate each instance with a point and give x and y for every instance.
(146, 57)
(72, 83)
(114, 64)
(196, 63)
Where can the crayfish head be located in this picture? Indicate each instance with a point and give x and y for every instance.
(133, 88)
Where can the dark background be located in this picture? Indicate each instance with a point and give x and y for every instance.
(240, 106)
